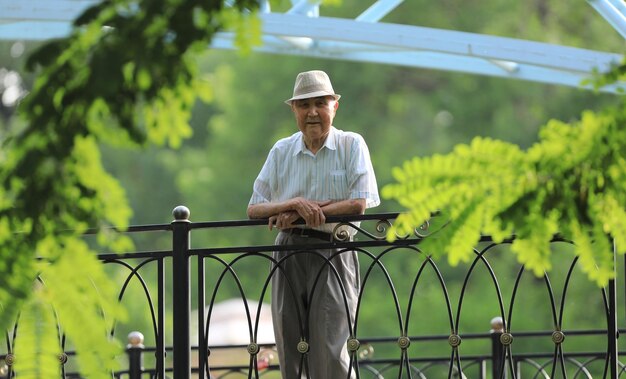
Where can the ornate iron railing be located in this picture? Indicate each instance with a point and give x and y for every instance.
(392, 334)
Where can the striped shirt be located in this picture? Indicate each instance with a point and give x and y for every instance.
(340, 170)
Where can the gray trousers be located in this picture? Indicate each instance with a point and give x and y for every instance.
(309, 304)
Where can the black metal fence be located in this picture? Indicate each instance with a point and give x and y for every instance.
(417, 317)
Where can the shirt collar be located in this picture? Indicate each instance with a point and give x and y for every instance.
(330, 143)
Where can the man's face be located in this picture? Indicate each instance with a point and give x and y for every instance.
(315, 116)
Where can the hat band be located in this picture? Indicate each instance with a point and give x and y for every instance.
(313, 88)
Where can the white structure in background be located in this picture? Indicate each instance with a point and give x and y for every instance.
(11, 87)
(302, 31)
(229, 324)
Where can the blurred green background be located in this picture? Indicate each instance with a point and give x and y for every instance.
(402, 113)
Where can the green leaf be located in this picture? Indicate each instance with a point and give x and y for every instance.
(572, 181)
(91, 291)
(37, 346)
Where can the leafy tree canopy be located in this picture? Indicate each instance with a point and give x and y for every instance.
(125, 75)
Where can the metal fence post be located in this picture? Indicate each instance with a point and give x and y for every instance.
(612, 326)
(135, 355)
(497, 349)
(181, 301)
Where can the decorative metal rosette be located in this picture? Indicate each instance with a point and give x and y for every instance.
(63, 358)
(353, 344)
(558, 337)
(253, 348)
(506, 339)
(404, 342)
(454, 340)
(9, 359)
(303, 347)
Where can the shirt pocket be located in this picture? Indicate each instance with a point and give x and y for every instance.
(338, 185)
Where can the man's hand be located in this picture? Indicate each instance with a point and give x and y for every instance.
(283, 220)
(310, 211)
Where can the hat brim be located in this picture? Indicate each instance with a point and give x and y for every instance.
(312, 94)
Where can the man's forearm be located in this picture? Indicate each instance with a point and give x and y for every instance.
(266, 210)
(342, 207)
(345, 207)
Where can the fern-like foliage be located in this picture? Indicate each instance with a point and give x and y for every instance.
(37, 349)
(572, 182)
(66, 299)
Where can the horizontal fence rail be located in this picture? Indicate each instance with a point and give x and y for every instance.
(204, 309)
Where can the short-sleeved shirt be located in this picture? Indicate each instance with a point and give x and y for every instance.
(341, 169)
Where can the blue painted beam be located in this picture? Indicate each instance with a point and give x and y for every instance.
(378, 10)
(620, 5)
(34, 30)
(613, 13)
(44, 10)
(309, 8)
(264, 6)
(302, 32)
(415, 38)
(426, 60)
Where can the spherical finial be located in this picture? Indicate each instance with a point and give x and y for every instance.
(135, 339)
(181, 213)
(497, 325)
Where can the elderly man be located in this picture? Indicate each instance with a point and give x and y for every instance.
(317, 172)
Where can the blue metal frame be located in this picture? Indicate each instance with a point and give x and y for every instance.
(300, 31)
(614, 11)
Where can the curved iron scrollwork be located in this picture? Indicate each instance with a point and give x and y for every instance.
(344, 230)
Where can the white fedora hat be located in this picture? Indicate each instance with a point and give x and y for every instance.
(310, 84)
